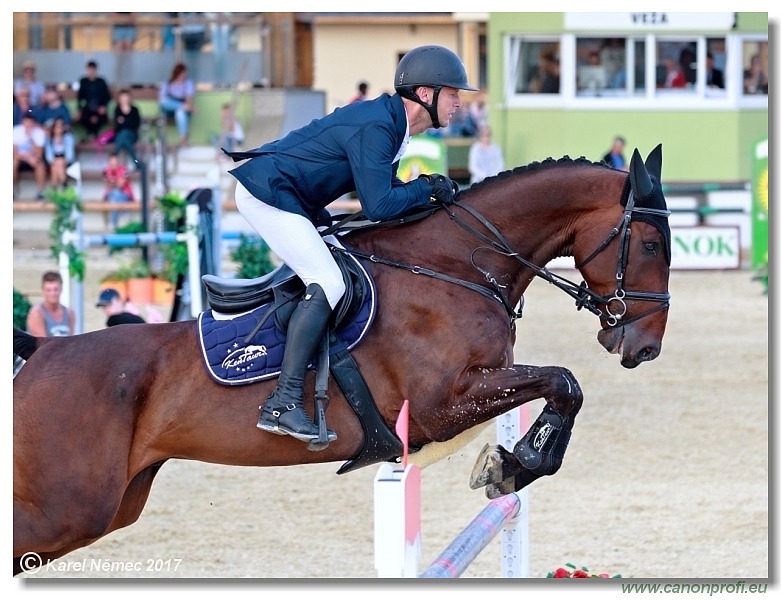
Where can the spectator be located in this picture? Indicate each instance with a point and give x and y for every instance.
(93, 98)
(615, 156)
(754, 78)
(461, 124)
(53, 108)
(363, 91)
(28, 80)
(674, 77)
(29, 142)
(50, 318)
(176, 99)
(231, 133)
(117, 311)
(22, 106)
(127, 122)
(485, 157)
(60, 152)
(714, 76)
(551, 74)
(123, 33)
(118, 187)
(478, 111)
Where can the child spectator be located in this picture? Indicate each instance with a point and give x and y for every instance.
(231, 133)
(60, 152)
(118, 186)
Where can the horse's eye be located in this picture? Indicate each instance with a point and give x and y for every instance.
(651, 247)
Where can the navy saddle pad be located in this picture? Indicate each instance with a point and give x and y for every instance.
(230, 361)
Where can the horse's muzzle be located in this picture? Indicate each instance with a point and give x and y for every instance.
(614, 341)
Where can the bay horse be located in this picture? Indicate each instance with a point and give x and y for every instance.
(97, 415)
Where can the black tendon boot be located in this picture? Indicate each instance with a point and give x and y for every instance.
(283, 413)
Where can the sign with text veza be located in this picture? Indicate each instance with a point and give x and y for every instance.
(646, 21)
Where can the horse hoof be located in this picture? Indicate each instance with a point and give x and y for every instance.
(497, 490)
(487, 469)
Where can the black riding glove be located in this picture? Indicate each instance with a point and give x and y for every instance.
(443, 189)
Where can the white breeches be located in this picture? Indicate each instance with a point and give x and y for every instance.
(295, 240)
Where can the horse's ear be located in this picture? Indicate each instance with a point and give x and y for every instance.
(639, 178)
(654, 163)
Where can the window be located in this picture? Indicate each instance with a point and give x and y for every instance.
(537, 67)
(654, 71)
(601, 66)
(676, 65)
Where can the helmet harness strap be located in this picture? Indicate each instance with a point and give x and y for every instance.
(431, 109)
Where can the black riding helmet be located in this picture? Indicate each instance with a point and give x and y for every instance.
(430, 66)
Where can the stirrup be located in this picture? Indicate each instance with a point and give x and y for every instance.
(299, 423)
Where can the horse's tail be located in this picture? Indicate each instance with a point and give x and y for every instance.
(24, 343)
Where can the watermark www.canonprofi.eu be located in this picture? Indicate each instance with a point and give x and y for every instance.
(32, 563)
(706, 589)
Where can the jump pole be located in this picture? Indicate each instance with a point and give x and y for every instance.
(397, 536)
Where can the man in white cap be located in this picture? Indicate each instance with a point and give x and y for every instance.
(28, 81)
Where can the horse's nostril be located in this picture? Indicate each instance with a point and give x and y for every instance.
(648, 353)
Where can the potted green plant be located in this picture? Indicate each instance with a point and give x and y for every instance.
(173, 207)
(22, 307)
(66, 203)
(253, 257)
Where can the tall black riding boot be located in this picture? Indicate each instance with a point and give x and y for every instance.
(283, 413)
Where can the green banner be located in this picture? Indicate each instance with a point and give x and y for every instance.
(424, 154)
(759, 212)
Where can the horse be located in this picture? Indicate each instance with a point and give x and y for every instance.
(97, 415)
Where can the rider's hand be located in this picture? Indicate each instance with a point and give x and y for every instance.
(443, 189)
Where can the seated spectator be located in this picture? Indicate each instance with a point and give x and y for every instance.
(22, 106)
(29, 141)
(231, 133)
(53, 108)
(93, 98)
(176, 99)
(127, 122)
(60, 153)
(118, 187)
(28, 80)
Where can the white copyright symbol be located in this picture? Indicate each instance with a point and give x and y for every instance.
(30, 562)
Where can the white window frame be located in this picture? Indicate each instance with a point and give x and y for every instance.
(698, 99)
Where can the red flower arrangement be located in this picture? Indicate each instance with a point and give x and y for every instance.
(574, 572)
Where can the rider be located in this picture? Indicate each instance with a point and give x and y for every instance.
(285, 186)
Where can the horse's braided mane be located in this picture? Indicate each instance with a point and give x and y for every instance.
(540, 165)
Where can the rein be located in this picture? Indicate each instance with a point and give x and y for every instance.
(584, 297)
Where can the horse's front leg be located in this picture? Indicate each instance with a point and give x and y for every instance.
(488, 393)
